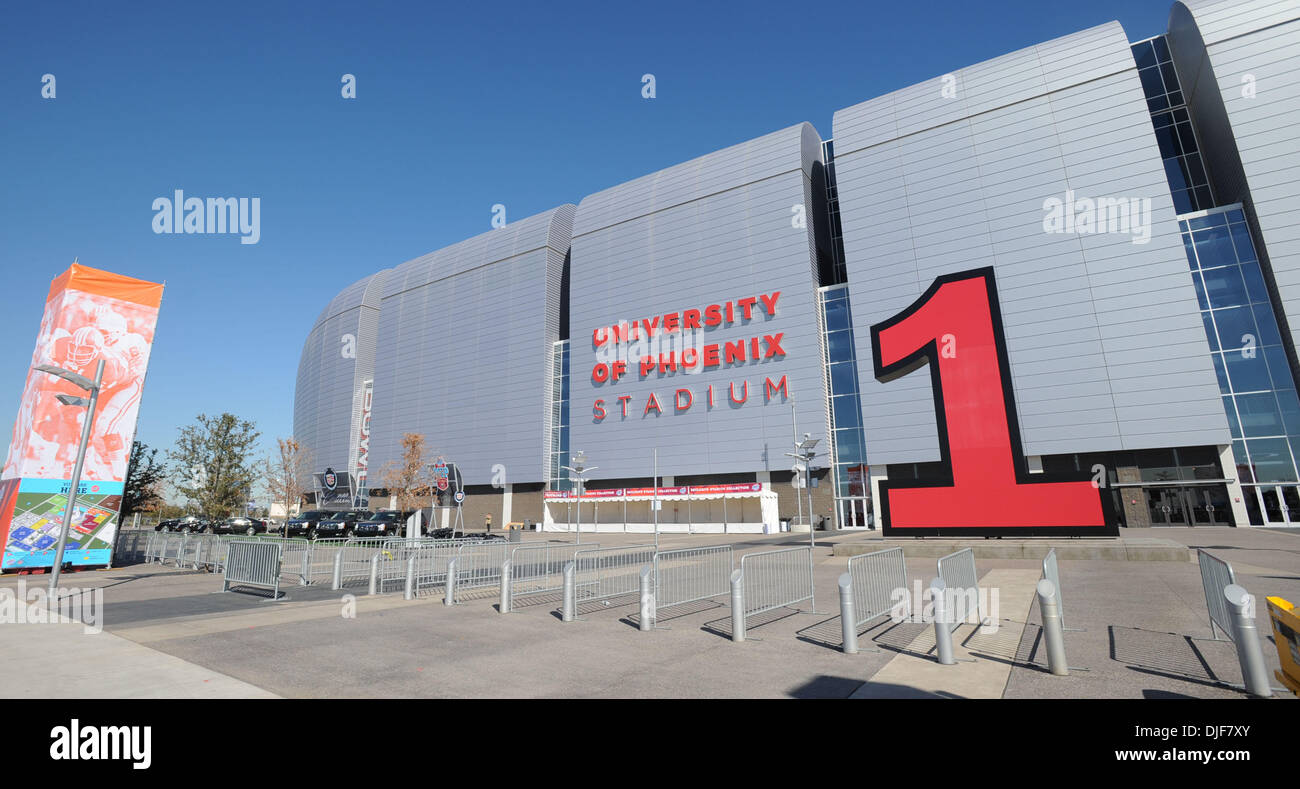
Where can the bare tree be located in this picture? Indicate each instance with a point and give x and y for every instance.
(285, 472)
(407, 479)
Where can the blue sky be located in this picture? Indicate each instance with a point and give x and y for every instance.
(529, 105)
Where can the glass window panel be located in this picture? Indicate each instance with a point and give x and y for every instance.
(1195, 171)
(1242, 241)
(1190, 250)
(1209, 332)
(1234, 215)
(1186, 139)
(1167, 138)
(1174, 174)
(1254, 278)
(1271, 460)
(843, 379)
(1220, 371)
(1279, 367)
(839, 346)
(1175, 98)
(1290, 407)
(1259, 415)
(1145, 54)
(848, 446)
(1244, 473)
(847, 413)
(1203, 197)
(1214, 247)
(1200, 291)
(1268, 333)
(1232, 417)
(1224, 287)
(1248, 371)
(1236, 327)
(1162, 119)
(1184, 200)
(1153, 85)
(1209, 220)
(837, 315)
(1161, 48)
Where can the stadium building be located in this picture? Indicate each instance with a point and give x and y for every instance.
(1138, 203)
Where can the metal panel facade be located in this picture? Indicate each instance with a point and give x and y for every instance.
(464, 349)
(1239, 60)
(717, 229)
(955, 173)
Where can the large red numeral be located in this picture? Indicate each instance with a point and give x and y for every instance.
(986, 488)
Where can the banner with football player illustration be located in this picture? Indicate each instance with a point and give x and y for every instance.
(90, 315)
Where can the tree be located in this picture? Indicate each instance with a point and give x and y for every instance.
(286, 471)
(212, 465)
(407, 479)
(141, 492)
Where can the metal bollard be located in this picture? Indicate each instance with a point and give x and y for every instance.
(374, 574)
(569, 607)
(1053, 630)
(848, 622)
(410, 578)
(304, 574)
(450, 597)
(1241, 609)
(337, 583)
(647, 600)
(942, 635)
(198, 554)
(504, 605)
(738, 606)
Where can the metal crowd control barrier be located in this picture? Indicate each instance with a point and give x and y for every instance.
(770, 580)
(1216, 575)
(875, 580)
(253, 563)
(602, 573)
(539, 569)
(478, 565)
(427, 565)
(688, 575)
(957, 570)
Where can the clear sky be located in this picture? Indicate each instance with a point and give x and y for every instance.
(459, 107)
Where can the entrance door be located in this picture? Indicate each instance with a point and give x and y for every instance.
(1209, 505)
(1279, 505)
(1168, 507)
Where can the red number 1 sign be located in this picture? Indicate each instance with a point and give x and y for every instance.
(985, 488)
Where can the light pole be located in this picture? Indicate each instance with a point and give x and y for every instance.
(89, 404)
(578, 471)
(803, 454)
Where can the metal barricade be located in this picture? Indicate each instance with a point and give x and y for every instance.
(479, 564)
(539, 569)
(172, 549)
(776, 579)
(688, 575)
(877, 577)
(153, 549)
(603, 573)
(430, 565)
(962, 586)
(1216, 575)
(253, 563)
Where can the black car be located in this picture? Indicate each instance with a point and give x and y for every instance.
(187, 524)
(305, 524)
(385, 523)
(342, 524)
(240, 525)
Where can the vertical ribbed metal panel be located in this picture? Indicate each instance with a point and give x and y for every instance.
(464, 341)
(715, 229)
(1107, 351)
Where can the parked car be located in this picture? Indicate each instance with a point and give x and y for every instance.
(305, 523)
(240, 525)
(187, 524)
(342, 524)
(384, 523)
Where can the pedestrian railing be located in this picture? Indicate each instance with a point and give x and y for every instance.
(957, 570)
(1216, 575)
(690, 575)
(537, 570)
(604, 573)
(253, 563)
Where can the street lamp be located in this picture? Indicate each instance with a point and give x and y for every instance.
(578, 471)
(89, 404)
(803, 454)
